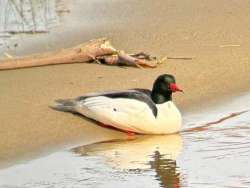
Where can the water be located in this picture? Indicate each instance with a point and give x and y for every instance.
(212, 151)
(27, 17)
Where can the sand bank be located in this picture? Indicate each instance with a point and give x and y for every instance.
(215, 33)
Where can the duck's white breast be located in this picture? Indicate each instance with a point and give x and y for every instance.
(168, 119)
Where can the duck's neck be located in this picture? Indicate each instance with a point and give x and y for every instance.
(159, 97)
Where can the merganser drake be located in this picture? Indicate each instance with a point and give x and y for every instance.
(135, 110)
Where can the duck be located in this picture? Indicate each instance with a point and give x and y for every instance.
(137, 111)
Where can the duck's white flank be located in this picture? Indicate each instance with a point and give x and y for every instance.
(131, 114)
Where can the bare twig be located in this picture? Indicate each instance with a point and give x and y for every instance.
(19, 12)
(33, 15)
(27, 32)
(180, 58)
(229, 45)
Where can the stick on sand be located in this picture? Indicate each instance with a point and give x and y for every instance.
(99, 50)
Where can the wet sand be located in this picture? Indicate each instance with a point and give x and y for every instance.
(215, 33)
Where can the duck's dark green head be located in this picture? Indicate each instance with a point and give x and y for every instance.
(163, 88)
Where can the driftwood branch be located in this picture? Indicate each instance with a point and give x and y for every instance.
(82, 53)
(122, 58)
(99, 50)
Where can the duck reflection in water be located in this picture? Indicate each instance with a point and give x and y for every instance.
(166, 170)
(142, 154)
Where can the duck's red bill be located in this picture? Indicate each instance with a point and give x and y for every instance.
(175, 88)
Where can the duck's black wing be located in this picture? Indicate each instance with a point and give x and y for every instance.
(145, 91)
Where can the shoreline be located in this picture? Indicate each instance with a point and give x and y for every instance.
(216, 74)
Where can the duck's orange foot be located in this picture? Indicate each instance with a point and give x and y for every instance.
(130, 133)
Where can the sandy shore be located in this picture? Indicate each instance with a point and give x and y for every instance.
(215, 33)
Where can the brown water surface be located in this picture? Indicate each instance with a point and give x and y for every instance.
(215, 157)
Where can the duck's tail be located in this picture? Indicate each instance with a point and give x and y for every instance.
(65, 105)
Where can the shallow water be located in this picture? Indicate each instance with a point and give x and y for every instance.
(212, 151)
(27, 16)
(19, 18)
